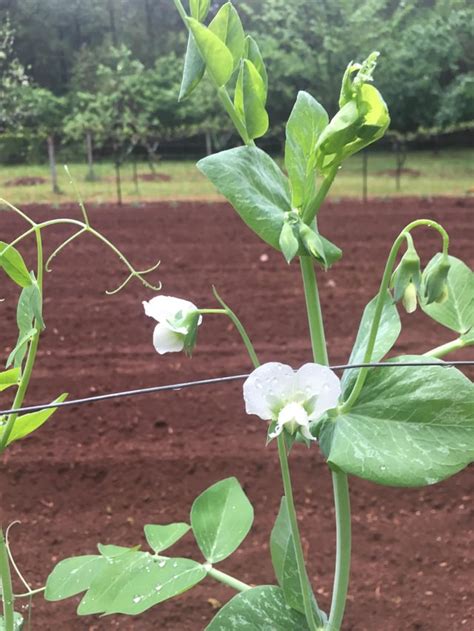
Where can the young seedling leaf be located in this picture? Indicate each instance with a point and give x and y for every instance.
(9, 378)
(163, 537)
(221, 518)
(253, 54)
(409, 426)
(387, 335)
(256, 609)
(216, 55)
(255, 187)
(194, 68)
(27, 423)
(227, 26)
(306, 122)
(199, 9)
(73, 576)
(18, 353)
(14, 266)
(457, 311)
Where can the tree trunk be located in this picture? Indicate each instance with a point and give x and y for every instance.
(365, 162)
(118, 182)
(113, 25)
(52, 165)
(90, 177)
(208, 142)
(135, 175)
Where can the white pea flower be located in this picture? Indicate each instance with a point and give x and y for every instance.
(177, 323)
(291, 398)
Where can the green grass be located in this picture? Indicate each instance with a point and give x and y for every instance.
(448, 172)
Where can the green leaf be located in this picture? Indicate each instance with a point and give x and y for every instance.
(216, 55)
(221, 518)
(283, 553)
(332, 253)
(194, 68)
(18, 622)
(258, 609)
(134, 581)
(14, 265)
(305, 124)
(249, 100)
(9, 378)
(409, 426)
(73, 576)
(27, 423)
(162, 537)
(387, 334)
(253, 54)
(255, 187)
(228, 28)
(457, 312)
(199, 9)
(18, 353)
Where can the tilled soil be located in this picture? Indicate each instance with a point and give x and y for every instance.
(98, 473)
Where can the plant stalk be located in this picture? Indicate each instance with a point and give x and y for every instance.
(226, 579)
(444, 349)
(6, 583)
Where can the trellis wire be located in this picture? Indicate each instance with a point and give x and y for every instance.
(205, 382)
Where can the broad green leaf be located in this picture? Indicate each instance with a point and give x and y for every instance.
(387, 334)
(409, 426)
(18, 353)
(9, 378)
(283, 553)
(258, 609)
(14, 265)
(28, 423)
(249, 100)
(221, 518)
(227, 26)
(194, 68)
(255, 187)
(162, 537)
(305, 124)
(457, 312)
(18, 621)
(216, 55)
(252, 53)
(73, 576)
(135, 581)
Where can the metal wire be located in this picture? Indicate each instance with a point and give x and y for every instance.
(205, 382)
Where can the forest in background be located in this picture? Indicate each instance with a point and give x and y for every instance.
(68, 67)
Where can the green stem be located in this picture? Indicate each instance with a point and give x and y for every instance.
(312, 210)
(31, 357)
(211, 311)
(343, 549)
(6, 583)
(444, 349)
(384, 285)
(313, 306)
(32, 592)
(226, 579)
(313, 618)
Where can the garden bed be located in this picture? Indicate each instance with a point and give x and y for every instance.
(99, 473)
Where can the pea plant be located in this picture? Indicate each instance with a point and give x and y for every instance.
(407, 424)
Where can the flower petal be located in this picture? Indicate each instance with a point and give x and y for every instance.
(268, 386)
(320, 382)
(167, 341)
(163, 308)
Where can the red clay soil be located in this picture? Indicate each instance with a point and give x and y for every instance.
(98, 473)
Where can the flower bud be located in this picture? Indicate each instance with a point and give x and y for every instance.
(289, 244)
(435, 280)
(407, 272)
(409, 300)
(312, 242)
